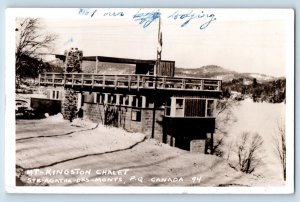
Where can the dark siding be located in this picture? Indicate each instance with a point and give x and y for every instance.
(167, 68)
(194, 107)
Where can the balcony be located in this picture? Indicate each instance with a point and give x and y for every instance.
(133, 81)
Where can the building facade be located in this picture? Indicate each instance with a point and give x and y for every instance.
(174, 110)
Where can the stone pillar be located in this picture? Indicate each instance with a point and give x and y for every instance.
(69, 104)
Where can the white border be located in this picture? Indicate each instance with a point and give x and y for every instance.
(10, 156)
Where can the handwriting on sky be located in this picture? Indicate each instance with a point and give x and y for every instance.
(145, 17)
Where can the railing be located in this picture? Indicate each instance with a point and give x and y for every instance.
(133, 81)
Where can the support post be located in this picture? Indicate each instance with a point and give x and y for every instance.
(79, 101)
(143, 101)
(95, 97)
(211, 143)
(118, 99)
(96, 71)
(153, 121)
(106, 97)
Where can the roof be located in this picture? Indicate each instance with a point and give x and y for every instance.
(115, 60)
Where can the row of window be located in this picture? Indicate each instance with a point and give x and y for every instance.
(117, 99)
(53, 94)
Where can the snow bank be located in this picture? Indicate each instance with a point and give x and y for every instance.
(45, 151)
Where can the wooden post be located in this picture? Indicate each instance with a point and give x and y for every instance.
(96, 71)
(205, 107)
(93, 80)
(153, 120)
(138, 82)
(219, 85)
(164, 82)
(183, 84)
(103, 81)
(129, 82)
(106, 97)
(118, 99)
(143, 81)
(81, 80)
(130, 100)
(211, 143)
(116, 81)
(64, 80)
(72, 80)
(39, 79)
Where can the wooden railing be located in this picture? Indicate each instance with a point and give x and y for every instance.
(132, 81)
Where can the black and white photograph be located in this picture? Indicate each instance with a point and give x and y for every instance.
(149, 100)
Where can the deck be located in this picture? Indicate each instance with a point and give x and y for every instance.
(132, 81)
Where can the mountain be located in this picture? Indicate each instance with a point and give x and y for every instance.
(209, 71)
(217, 72)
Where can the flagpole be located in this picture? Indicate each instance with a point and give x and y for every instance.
(159, 47)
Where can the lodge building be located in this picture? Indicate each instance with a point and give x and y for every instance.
(174, 110)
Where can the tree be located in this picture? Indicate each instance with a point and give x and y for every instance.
(224, 117)
(30, 42)
(248, 148)
(280, 146)
(254, 82)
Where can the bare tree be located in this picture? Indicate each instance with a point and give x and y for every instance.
(247, 150)
(280, 146)
(30, 41)
(224, 117)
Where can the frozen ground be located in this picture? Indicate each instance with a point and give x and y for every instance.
(53, 144)
(261, 118)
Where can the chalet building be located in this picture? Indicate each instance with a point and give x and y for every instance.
(174, 110)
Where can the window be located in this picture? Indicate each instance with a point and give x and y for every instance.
(168, 108)
(57, 95)
(136, 115)
(133, 101)
(139, 101)
(210, 108)
(190, 107)
(126, 100)
(98, 99)
(54, 94)
(179, 112)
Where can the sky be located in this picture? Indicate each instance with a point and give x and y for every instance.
(248, 41)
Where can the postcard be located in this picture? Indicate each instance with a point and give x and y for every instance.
(149, 100)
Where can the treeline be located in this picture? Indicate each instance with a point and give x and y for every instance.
(269, 91)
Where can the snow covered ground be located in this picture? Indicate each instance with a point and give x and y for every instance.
(261, 118)
(55, 145)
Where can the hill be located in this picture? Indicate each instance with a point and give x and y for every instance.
(217, 72)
